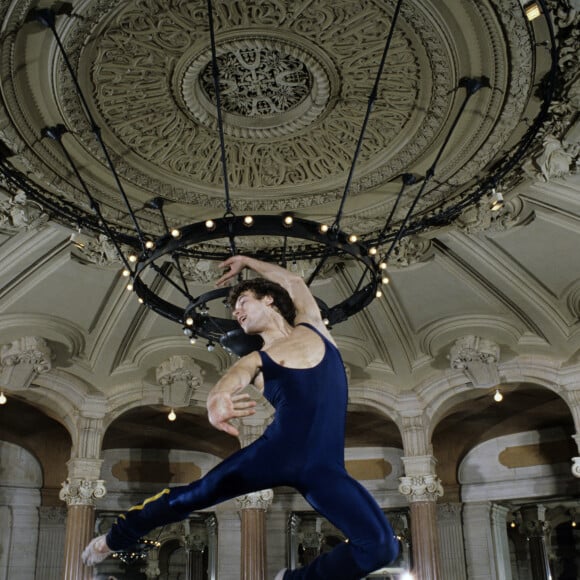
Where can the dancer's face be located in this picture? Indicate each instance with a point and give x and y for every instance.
(252, 313)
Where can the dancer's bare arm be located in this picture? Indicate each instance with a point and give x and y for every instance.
(225, 400)
(306, 307)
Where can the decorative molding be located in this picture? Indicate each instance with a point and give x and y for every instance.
(179, 376)
(480, 218)
(258, 500)
(477, 357)
(20, 213)
(76, 491)
(411, 250)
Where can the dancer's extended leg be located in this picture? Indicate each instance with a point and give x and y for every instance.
(250, 469)
(349, 506)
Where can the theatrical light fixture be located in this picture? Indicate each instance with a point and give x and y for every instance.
(498, 397)
(3, 398)
(172, 416)
(513, 524)
(154, 257)
(532, 11)
(497, 201)
(573, 524)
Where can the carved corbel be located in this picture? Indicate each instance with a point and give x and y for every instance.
(478, 358)
(23, 360)
(179, 376)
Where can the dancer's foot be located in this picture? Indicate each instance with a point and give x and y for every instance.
(280, 575)
(96, 551)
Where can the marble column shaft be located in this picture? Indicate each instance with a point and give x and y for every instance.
(422, 488)
(79, 532)
(425, 541)
(253, 518)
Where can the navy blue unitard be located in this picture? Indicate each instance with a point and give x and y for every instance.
(303, 448)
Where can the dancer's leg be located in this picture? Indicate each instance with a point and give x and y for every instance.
(250, 469)
(350, 507)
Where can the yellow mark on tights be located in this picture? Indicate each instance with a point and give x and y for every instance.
(148, 500)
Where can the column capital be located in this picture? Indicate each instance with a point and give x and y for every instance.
(421, 487)
(534, 521)
(77, 491)
(260, 500)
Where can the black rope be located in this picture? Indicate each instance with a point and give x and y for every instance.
(55, 133)
(47, 18)
(370, 104)
(371, 101)
(472, 85)
(216, 84)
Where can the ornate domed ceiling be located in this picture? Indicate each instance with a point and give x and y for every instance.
(295, 80)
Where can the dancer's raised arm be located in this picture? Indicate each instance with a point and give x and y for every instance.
(306, 307)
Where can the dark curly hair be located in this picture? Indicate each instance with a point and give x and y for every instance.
(261, 287)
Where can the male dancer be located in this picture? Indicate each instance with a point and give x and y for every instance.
(300, 371)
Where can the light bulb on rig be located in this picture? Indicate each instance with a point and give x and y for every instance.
(3, 398)
(498, 397)
(172, 416)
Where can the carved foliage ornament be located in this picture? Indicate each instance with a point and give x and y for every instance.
(22, 360)
(421, 487)
(179, 376)
(261, 500)
(78, 491)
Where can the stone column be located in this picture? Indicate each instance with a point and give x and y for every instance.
(80, 495)
(478, 540)
(253, 508)
(451, 541)
(293, 540)
(152, 569)
(51, 539)
(536, 529)
(23, 535)
(211, 529)
(229, 541)
(422, 488)
(195, 546)
(499, 535)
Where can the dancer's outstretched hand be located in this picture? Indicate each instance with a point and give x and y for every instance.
(96, 551)
(235, 264)
(223, 407)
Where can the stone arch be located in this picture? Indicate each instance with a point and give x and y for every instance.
(440, 395)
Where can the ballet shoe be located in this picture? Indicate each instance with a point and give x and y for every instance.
(96, 551)
(280, 575)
